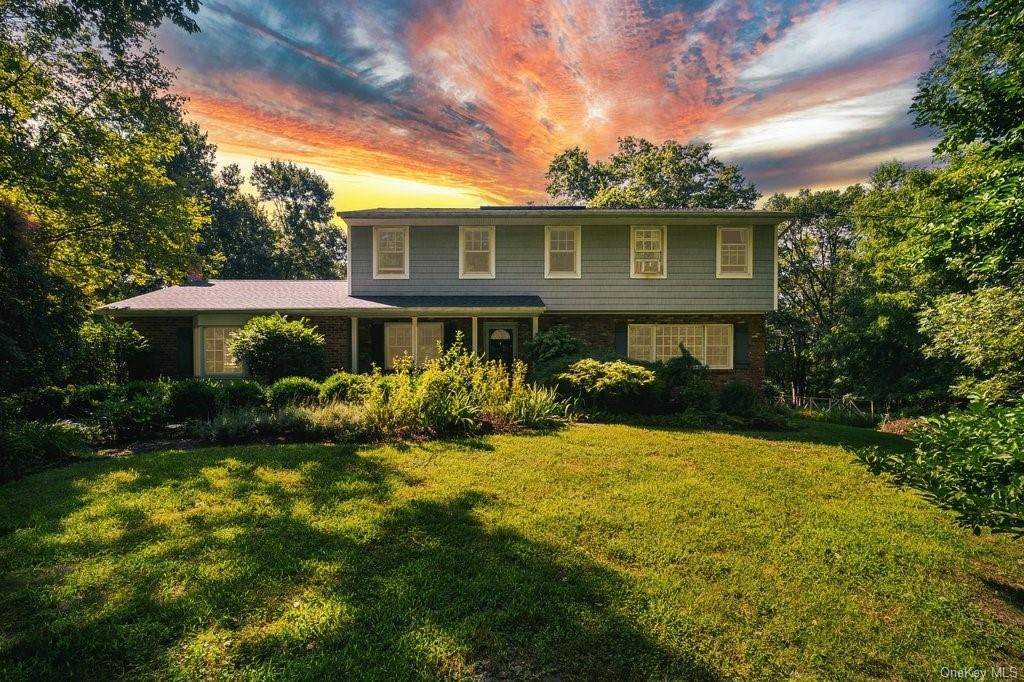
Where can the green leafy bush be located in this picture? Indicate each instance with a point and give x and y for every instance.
(139, 410)
(292, 391)
(553, 343)
(344, 387)
(970, 462)
(28, 445)
(683, 384)
(43, 404)
(338, 422)
(193, 398)
(737, 399)
(615, 385)
(273, 347)
(393, 405)
(108, 350)
(242, 393)
(82, 401)
(838, 414)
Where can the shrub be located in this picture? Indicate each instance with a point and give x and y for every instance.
(615, 385)
(344, 387)
(553, 343)
(970, 462)
(138, 411)
(273, 347)
(242, 393)
(82, 401)
(108, 349)
(339, 422)
(335, 421)
(838, 414)
(737, 399)
(193, 399)
(392, 405)
(43, 404)
(683, 383)
(28, 445)
(292, 391)
(538, 407)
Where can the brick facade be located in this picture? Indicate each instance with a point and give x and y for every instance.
(162, 335)
(598, 330)
(337, 333)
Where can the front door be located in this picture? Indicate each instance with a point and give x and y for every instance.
(501, 344)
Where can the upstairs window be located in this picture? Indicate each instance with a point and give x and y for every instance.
(711, 344)
(647, 251)
(390, 252)
(735, 251)
(217, 357)
(562, 255)
(476, 252)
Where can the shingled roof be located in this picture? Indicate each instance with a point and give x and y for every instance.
(251, 295)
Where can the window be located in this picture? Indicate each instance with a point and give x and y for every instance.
(217, 357)
(735, 251)
(398, 341)
(711, 344)
(647, 251)
(476, 252)
(390, 252)
(430, 335)
(562, 251)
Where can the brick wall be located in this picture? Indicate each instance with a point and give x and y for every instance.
(599, 331)
(337, 332)
(162, 335)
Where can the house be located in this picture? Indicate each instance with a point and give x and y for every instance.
(638, 282)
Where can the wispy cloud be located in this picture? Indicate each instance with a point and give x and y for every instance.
(472, 99)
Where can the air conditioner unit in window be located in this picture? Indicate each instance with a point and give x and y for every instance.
(648, 267)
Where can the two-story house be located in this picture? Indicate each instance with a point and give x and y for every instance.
(636, 282)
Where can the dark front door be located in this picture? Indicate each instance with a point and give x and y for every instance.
(501, 344)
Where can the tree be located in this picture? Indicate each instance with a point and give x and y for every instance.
(239, 231)
(42, 312)
(86, 127)
(644, 175)
(308, 244)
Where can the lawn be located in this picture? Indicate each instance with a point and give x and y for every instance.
(611, 552)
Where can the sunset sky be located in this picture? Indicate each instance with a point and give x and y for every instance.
(462, 103)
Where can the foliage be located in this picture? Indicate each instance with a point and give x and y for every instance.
(242, 393)
(272, 347)
(293, 391)
(108, 350)
(27, 445)
(338, 422)
(644, 175)
(738, 399)
(309, 245)
(44, 403)
(193, 398)
(41, 311)
(683, 383)
(614, 385)
(88, 130)
(970, 462)
(138, 410)
(552, 343)
(985, 331)
(343, 387)
(82, 401)
(393, 405)
(239, 230)
(840, 414)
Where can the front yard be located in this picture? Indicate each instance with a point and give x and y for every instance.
(601, 551)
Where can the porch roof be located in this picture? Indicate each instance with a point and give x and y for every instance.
(304, 296)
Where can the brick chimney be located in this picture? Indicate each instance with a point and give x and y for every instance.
(195, 274)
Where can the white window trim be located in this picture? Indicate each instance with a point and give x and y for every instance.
(462, 252)
(577, 232)
(750, 253)
(704, 343)
(414, 329)
(632, 251)
(202, 352)
(389, 275)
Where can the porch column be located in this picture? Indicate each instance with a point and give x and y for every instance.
(472, 334)
(354, 321)
(536, 325)
(415, 343)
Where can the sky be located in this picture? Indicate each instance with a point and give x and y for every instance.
(464, 102)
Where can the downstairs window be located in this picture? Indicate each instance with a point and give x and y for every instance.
(711, 344)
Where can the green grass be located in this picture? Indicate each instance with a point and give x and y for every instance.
(610, 552)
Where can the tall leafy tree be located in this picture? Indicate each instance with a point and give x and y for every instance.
(309, 244)
(645, 175)
(86, 128)
(239, 231)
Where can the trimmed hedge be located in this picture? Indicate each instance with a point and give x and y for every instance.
(293, 391)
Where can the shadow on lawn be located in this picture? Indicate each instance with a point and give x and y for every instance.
(267, 552)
